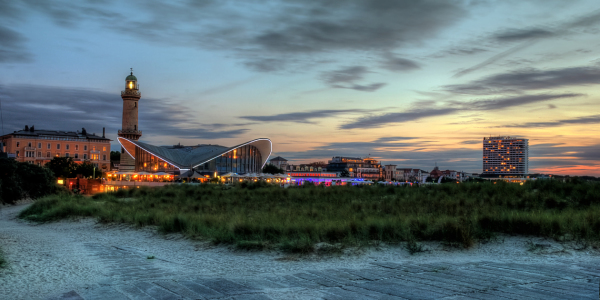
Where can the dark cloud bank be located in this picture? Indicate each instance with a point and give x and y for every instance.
(57, 108)
(281, 35)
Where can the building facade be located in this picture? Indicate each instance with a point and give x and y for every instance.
(279, 162)
(142, 159)
(367, 168)
(504, 155)
(130, 130)
(392, 173)
(249, 157)
(40, 146)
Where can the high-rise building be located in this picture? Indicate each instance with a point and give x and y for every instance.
(131, 96)
(503, 155)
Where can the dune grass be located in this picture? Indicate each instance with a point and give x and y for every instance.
(255, 216)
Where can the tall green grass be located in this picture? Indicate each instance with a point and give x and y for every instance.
(256, 216)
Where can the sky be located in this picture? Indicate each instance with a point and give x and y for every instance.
(411, 83)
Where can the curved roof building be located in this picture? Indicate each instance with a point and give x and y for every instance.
(249, 157)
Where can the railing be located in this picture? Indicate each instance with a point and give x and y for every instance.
(131, 93)
(130, 132)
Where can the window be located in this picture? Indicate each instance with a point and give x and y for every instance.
(48, 147)
(67, 147)
(17, 153)
(39, 154)
(76, 155)
(18, 145)
(103, 148)
(47, 154)
(84, 147)
(76, 147)
(67, 154)
(93, 148)
(104, 157)
(29, 145)
(84, 156)
(39, 145)
(57, 146)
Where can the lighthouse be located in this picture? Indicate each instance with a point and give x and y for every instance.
(130, 130)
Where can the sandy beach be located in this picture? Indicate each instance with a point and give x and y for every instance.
(46, 260)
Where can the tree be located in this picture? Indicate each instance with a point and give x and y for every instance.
(36, 181)
(115, 155)
(344, 173)
(10, 183)
(272, 169)
(62, 167)
(86, 169)
(19, 180)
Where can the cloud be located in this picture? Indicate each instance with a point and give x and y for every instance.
(471, 142)
(529, 79)
(266, 64)
(530, 36)
(303, 117)
(511, 35)
(346, 78)
(374, 121)
(577, 154)
(394, 63)
(356, 25)
(493, 59)
(267, 36)
(506, 102)
(394, 139)
(460, 51)
(453, 107)
(398, 117)
(12, 47)
(593, 119)
(70, 109)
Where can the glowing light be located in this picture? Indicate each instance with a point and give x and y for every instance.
(131, 85)
(60, 181)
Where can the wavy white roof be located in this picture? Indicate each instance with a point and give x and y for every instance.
(187, 158)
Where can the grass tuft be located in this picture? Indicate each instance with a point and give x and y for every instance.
(255, 216)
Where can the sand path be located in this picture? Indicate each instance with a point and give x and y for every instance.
(49, 260)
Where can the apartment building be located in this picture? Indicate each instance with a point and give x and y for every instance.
(40, 146)
(504, 155)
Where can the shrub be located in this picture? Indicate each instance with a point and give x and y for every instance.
(20, 180)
